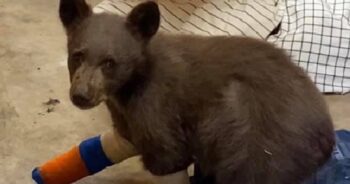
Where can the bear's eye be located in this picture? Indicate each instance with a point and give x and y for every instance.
(108, 63)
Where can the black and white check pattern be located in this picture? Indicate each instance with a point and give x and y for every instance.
(316, 33)
(209, 17)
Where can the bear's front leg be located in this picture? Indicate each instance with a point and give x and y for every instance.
(160, 135)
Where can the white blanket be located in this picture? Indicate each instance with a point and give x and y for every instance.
(317, 34)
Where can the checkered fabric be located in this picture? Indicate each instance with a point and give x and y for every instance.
(316, 33)
(204, 17)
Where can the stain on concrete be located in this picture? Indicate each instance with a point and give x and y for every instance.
(7, 112)
(7, 115)
(51, 104)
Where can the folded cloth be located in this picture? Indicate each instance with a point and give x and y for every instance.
(335, 171)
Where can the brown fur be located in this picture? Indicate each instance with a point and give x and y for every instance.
(237, 105)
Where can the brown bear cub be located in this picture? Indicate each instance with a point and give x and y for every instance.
(237, 106)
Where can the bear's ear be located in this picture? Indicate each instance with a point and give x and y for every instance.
(73, 11)
(144, 19)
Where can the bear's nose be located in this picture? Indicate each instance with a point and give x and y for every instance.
(81, 100)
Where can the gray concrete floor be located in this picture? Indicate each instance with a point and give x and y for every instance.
(32, 70)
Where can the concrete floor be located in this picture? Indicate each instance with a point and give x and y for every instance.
(33, 70)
